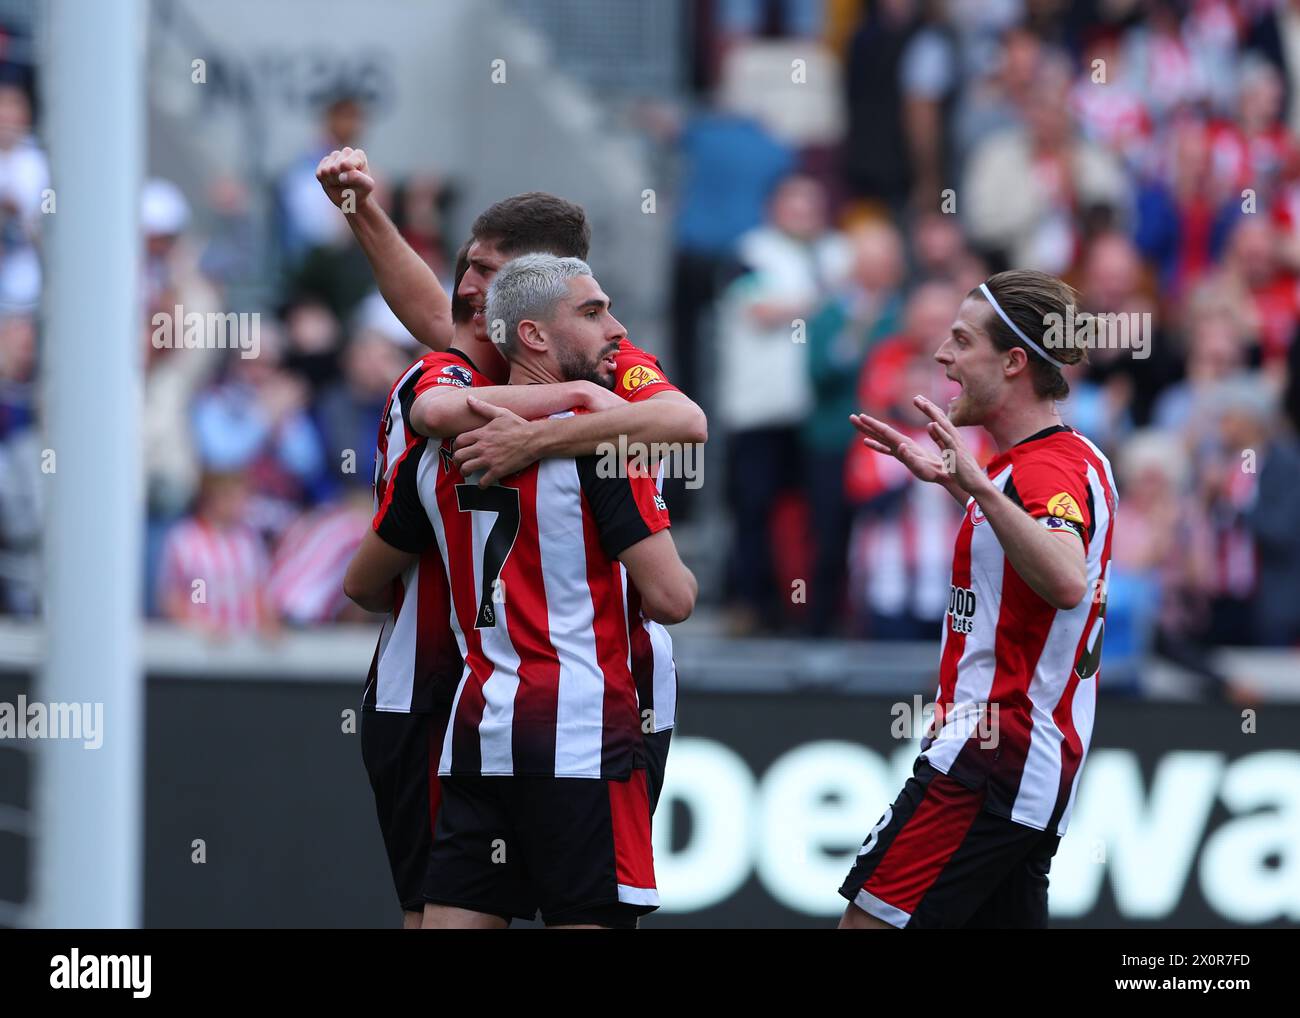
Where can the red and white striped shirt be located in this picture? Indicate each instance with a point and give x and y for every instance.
(217, 573)
(540, 610)
(1005, 647)
(417, 661)
(306, 584)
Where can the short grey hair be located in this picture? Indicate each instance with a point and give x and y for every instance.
(527, 288)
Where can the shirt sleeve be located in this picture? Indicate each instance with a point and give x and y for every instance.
(1055, 491)
(400, 520)
(444, 369)
(638, 375)
(627, 508)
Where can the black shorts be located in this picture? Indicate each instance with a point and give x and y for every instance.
(656, 760)
(578, 849)
(938, 859)
(400, 751)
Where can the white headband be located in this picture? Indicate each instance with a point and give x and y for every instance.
(1016, 329)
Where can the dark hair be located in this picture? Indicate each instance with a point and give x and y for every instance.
(1028, 298)
(535, 222)
(461, 309)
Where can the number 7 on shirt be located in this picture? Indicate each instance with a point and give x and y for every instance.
(504, 502)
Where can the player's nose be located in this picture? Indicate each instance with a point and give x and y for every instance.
(615, 329)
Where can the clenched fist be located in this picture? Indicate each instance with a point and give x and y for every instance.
(345, 176)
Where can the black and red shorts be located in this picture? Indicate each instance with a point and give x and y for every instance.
(400, 751)
(578, 849)
(939, 859)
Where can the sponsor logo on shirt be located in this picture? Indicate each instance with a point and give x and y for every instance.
(1064, 506)
(961, 609)
(640, 375)
(454, 374)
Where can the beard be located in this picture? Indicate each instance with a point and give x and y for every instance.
(970, 407)
(575, 367)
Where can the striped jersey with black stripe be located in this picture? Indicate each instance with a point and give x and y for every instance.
(416, 663)
(540, 610)
(1017, 677)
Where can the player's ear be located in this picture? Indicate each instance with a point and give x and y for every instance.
(530, 336)
(1014, 361)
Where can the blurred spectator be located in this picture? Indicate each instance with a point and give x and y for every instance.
(996, 99)
(1215, 352)
(313, 340)
(929, 314)
(350, 410)
(1109, 106)
(898, 568)
(1058, 172)
(419, 209)
(1261, 289)
(307, 218)
(306, 581)
(255, 420)
(319, 255)
(868, 307)
(1164, 67)
(1229, 490)
(877, 156)
(1179, 220)
(939, 249)
(1250, 426)
(1155, 602)
(928, 79)
(24, 178)
(729, 166)
(793, 262)
(1250, 151)
(1132, 360)
(1274, 34)
(336, 272)
(214, 568)
(233, 258)
(1152, 472)
(173, 374)
(900, 555)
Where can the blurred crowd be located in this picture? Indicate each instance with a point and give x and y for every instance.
(1148, 151)
(260, 458)
(259, 433)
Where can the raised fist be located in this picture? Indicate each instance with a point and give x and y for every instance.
(345, 176)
